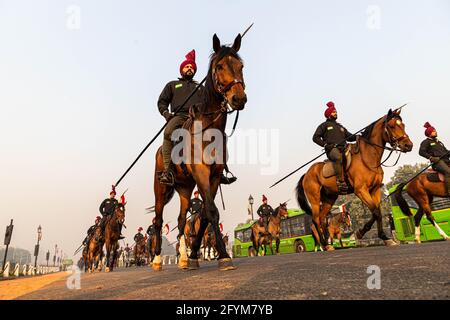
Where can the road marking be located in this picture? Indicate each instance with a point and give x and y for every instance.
(12, 289)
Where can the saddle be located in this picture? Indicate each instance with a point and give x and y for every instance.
(328, 168)
(434, 176)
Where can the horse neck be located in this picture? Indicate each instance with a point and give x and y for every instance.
(371, 154)
(212, 108)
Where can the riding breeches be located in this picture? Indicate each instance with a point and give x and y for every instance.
(335, 155)
(175, 123)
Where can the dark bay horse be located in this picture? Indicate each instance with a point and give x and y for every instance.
(93, 252)
(422, 191)
(140, 252)
(209, 242)
(112, 233)
(334, 222)
(224, 88)
(259, 238)
(317, 194)
(151, 248)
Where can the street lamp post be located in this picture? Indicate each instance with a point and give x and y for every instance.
(54, 256)
(251, 201)
(8, 235)
(47, 256)
(36, 248)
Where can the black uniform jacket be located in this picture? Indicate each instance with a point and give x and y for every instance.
(433, 148)
(332, 132)
(176, 92)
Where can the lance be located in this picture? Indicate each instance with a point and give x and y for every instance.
(354, 134)
(165, 125)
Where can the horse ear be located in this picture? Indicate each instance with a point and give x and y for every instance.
(390, 113)
(237, 43)
(216, 43)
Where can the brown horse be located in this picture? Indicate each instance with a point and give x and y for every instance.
(316, 194)
(224, 87)
(151, 248)
(209, 242)
(422, 191)
(112, 233)
(140, 252)
(334, 222)
(93, 252)
(260, 238)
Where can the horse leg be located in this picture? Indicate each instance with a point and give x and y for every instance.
(108, 256)
(417, 218)
(339, 235)
(159, 207)
(430, 218)
(185, 194)
(278, 245)
(363, 194)
(328, 201)
(312, 192)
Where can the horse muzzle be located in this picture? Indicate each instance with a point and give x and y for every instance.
(238, 103)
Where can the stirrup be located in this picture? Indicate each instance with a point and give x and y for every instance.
(166, 177)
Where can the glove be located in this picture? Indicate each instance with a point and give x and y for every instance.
(328, 147)
(434, 159)
(168, 115)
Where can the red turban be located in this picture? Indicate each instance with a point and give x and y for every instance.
(140, 229)
(330, 109)
(113, 190)
(190, 59)
(264, 198)
(429, 129)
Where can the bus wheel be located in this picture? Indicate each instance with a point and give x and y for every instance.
(251, 252)
(299, 246)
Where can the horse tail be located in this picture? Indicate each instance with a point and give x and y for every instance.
(301, 197)
(169, 195)
(401, 200)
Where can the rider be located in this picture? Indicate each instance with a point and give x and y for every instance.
(175, 94)
(151, 228)
(139, 236)
(195, 207)
(435, 151)
(333, 137)
(265, 211)
(107, 208)
(91, 230)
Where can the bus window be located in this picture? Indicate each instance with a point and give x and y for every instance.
(239, 235)
(247, 235)
(440, 203)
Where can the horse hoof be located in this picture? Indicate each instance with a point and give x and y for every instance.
(390, 243)
(183, 264)
(193, 264)
(107, 269)
(329, 248)
(226, 264)
(157, 266)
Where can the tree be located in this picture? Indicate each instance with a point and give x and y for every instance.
(404, 173)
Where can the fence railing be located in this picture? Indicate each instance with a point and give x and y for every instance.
(17, 270)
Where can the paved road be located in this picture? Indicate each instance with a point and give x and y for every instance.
(407, 272)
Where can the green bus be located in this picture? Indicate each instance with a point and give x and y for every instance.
(295, 236)
(404, 226)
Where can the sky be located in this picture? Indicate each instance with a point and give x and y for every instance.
(79, 82)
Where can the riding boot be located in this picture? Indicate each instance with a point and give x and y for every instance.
(225, 180)
(447, 184)
(340, 181)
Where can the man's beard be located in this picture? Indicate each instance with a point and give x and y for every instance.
(188, 76)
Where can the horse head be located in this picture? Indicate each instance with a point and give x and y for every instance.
(225, 73)
(394, 132)
(282, 210)
(119, 213)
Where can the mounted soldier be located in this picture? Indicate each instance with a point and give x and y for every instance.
(333, 137)
(265, 211)
(91, 230)
(139, 236)
(107, 208)
(195, 207)
(151, 228)
(175, 94)
(435, 151)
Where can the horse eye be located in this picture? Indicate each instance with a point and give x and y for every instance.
(219, 67)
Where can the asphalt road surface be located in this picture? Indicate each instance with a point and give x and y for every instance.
(406, 272)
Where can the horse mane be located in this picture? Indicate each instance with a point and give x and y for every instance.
(211, 95)
(368, 131)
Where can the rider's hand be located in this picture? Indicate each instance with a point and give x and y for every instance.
(434, 159)
(168, 115)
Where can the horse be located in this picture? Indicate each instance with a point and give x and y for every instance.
(334, 222)
(112, 233)
(151, 248)
(140, 252)
(422, 191)
(209, 242)
(316, 194)
(224, 87)
(259, 237)
(93, 252)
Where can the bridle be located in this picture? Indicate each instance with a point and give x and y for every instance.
(224, 105)
(393, 141)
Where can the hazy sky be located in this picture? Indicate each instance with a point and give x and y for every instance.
(79, 82)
